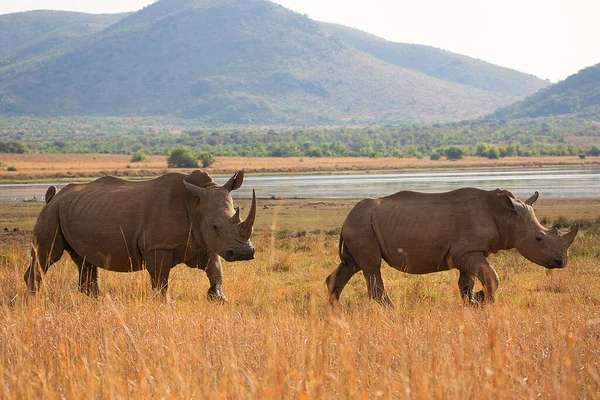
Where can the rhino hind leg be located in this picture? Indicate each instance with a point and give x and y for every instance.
(376, 289)
(466, 283)
(338, 279)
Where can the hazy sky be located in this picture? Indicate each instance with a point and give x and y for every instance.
(551, 39)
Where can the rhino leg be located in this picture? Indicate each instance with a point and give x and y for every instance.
(376, 289)
(88, 276)
(338, 279)
(476, 264)
(466, 282)
(159, 264)
(48, 247)
(214, 272)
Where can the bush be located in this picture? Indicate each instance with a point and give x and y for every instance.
(182, 157)
(11, 168)
(207, 159)
(138, 156)
(455, 153)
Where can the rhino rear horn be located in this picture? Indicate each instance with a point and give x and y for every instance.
(246, 226)
(235, 181)
(570, 236)
(532, 199)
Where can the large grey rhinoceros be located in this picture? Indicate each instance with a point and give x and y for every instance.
(156, 224)
(419, 233)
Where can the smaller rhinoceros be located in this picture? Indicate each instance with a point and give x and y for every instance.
(125, 226)
(420, 233)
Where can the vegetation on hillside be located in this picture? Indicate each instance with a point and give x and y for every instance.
(441, 64)
(579, 94)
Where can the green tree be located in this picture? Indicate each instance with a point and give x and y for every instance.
(455, 153)
(182, 157)
(207, 159)
(138, 156)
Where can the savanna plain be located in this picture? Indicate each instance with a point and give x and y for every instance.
(277, 337)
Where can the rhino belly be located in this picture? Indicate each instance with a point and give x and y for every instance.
(417, 260)
(108, 243)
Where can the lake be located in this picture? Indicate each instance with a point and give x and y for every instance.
(550, 182)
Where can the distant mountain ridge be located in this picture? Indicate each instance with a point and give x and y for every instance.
(578, 95)
(223, 61)
(441, 64)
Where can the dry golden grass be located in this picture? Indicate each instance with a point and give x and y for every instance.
(44, 166)
(278, 338)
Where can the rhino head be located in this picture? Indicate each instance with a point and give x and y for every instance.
(220, 225)
(545, 247)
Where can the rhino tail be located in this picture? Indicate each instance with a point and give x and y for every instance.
(345, 255)
(50, 193)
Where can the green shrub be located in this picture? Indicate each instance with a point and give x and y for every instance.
(138, 156)
(11, 168)
(455, 153)
(207, 159)
(182, 157)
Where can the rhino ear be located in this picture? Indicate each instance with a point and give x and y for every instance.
(235, 181)
(196, 190)
(511, 204)
(532, 199)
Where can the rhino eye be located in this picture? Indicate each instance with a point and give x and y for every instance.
(538, 238)
(215, 228)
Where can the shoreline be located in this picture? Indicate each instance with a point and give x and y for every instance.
(34, 167)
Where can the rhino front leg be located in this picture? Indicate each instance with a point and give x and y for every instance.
(47, 249)
(214, 272)
(476, 264)
(466, 282)
(159, 264)
(88, 276)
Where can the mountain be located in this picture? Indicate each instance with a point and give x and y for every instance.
(441, 64)
(578, 95)
(27, 33)
(223, 61)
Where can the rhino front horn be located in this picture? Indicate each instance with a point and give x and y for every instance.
(570, 236)
(246, 226)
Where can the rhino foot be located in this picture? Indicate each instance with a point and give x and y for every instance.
(216, 294)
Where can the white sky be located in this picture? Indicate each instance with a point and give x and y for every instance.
(551, 39)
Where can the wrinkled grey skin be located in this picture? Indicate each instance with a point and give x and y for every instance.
(126, 226)
(421, 233)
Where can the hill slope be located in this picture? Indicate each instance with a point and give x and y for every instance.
(441, 64)
(229, 61)
(578, 94)
(26, 33)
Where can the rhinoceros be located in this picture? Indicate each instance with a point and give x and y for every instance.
(124, 226)
(420, 233)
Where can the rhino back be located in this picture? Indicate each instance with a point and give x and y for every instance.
(110, 222)
(420, 231)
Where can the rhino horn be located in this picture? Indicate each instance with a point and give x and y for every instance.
(246, 226)
(235, 181)
(532, 199)
(570, 236)
(236, 217)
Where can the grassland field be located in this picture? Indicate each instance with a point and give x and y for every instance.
(277, 337)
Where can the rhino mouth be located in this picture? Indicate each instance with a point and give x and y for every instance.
(556, 263)
(233, 255)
